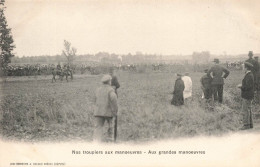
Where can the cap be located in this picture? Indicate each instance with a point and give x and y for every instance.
(106, 78)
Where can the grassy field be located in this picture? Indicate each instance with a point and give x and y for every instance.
(34, 109)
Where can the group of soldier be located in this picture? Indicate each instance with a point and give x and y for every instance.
(32, 69)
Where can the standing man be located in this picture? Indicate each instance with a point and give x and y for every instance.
(206, 86)
(106, 108)
(114, 82)
(216, 73)
(177, 99)
(247, 94)
(257, 82)
(187, 93)
(255, 64)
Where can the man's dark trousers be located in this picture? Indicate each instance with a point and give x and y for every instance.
(217, 91)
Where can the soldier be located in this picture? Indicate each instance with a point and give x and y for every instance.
(58, 66)
(106, 108)
(247, 94)
(177, 99)
(216, 73)
(206, 86)
(59, 69)
(187, 93)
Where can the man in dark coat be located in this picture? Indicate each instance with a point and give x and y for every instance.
(216, 72)
(247, 94)
(257, 82)
(255, 64)
(114, 82)
(178, 99)
(206, 85)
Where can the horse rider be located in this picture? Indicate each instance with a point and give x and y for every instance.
(59, 69)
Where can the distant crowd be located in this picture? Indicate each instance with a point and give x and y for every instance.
(97, 68)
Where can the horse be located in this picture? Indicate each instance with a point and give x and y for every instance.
(61, 73)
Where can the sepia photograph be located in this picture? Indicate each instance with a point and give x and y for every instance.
(129, 83)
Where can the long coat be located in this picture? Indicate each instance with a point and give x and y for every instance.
(106, 101)
(177, 99)
(255, 64)
(247, 89)
(115, 83)
(188, 87)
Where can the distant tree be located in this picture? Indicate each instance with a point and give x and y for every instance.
(6, 40)
(69, 52)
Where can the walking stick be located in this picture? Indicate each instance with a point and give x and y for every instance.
(115, 129)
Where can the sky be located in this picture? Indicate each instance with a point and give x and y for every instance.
(39, 27)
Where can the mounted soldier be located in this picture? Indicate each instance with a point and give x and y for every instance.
(58, 68)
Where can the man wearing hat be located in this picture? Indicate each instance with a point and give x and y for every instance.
(206, 86)
(106, 108)
(216, 73)
(247, 94)
(177, 99)
(255, 64)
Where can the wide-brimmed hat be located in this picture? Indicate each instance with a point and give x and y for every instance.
(247, 64)
(216, 60)
(106, 78)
